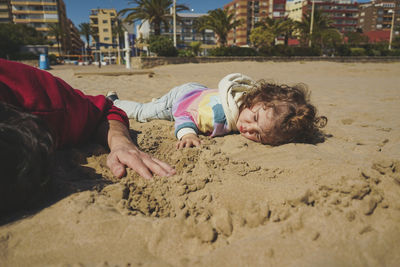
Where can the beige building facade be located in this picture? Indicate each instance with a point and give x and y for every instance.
(294, 9)
(102, 22)
(5, 11)
(249, 12)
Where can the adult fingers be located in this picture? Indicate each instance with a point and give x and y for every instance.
(136, 163)
(116, 167)
(155, 166)
(165, 166)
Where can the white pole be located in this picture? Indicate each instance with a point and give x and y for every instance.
(174, 22)
(312, 22)
(391, 29)
(127, 51)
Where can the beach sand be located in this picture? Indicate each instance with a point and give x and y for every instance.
(233, 202)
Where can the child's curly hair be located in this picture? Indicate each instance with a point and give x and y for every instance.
(297, 122)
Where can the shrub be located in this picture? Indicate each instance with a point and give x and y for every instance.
(343, 50)
(282, 50)
(357, 51)
(230, 51)
(301, 51)
(163, 46)
(185, 53)
(373, 52)
(195, 48)
(277, 50)
(394, 52)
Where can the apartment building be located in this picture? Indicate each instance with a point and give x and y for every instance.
(5, 11)
(102, 22)
(343, 13)
(294, 9)
(250, 12)
(185, 30)
(277, 8)
(377, 15)
(76, 44)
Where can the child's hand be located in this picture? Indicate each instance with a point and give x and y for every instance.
(188, 140)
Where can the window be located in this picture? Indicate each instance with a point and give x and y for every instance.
(106, 38)
(105, 30)
(105, 21)
(50, 8)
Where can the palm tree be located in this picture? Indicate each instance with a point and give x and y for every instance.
(86, 31)
(321, 23)
(118, 31)
(156, 12)
(289, 27)
(56, 31)
(220, 21)
(261, 37)
(276, 27)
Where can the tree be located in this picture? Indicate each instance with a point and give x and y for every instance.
(330, 39)
(13, 36)
(86, 31)
(289, 27)
(273, 27)
(156, 12)
(56, 31)
(261, 37)
(195, 47)
(356, 38)
(162, 46)
(321, 23)
(220, 21)
(118, 30)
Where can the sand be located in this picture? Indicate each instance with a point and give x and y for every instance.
(233, 202)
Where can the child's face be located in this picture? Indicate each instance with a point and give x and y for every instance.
(258, 123)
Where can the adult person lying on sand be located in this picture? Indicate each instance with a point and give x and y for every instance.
(261, 111)
(40, 113)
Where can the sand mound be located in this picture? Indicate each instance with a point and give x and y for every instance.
(233, 202)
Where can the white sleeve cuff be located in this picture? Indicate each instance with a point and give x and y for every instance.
(184, 131)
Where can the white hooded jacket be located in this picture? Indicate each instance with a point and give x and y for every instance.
(231, 88)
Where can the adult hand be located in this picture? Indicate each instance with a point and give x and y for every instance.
(188, 140)
(124, 153)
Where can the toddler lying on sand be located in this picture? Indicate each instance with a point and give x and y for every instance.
(260, 111)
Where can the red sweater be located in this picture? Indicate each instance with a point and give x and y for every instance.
(71, 115)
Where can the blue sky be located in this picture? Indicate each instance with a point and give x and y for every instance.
(78, 10)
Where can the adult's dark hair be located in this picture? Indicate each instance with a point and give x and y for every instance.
(25, 149)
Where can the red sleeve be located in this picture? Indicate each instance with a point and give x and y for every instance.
(71, 115)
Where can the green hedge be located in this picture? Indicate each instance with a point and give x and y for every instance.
(230, 51)
(343, 50)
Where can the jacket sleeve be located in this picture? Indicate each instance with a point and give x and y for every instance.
(184, 125)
